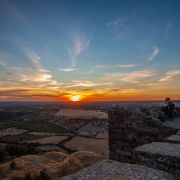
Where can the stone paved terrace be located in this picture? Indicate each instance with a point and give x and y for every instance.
(113, 170)
(173, 139)
(160, 155)
(161, 149)
(174, 124)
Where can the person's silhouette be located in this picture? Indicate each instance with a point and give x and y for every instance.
(169, 109)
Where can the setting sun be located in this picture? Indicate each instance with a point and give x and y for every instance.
(75, 98)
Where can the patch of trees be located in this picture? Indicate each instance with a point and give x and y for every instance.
(16, 151)
(6, 115)
(3, 155)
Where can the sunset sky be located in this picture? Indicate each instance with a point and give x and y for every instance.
(93, 49)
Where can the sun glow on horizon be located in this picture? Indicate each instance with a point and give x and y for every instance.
(75, 98)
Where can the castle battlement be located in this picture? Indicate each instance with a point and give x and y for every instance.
(136, 135)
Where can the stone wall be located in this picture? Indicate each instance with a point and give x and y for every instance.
(130, 128)
(160, 155)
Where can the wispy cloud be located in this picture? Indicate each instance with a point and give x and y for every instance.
(12, 10)
(129, 91)
(28, 81)
(115, 66)
(80, 43)
(153, 54)
(68, 69)
(29, 76)
(89, 71)
(170, 75)
(84, 83)
(118, 22)
(132, 77)
(37, 73)
(169, 26)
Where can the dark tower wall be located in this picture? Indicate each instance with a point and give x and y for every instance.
(129, 129)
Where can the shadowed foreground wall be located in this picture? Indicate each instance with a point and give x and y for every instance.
(129, 129)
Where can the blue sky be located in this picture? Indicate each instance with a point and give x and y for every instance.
(61, 48)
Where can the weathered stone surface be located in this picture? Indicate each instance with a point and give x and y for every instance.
(173, 124)
(160, 148)
(153, 122)
(160, 155)
(130, 127)
(113, 170)
(173, 139)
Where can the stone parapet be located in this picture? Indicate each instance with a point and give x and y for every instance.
(160, 155)
(132, 127)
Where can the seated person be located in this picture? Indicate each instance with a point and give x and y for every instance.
(169, 108)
